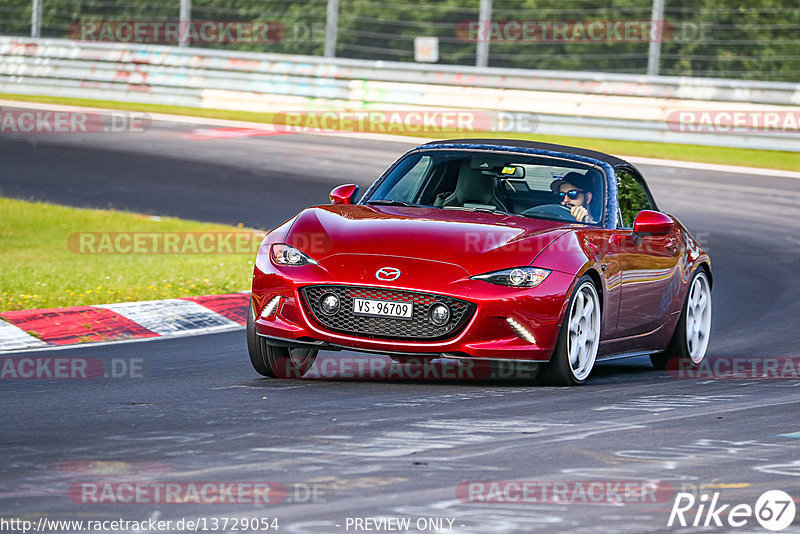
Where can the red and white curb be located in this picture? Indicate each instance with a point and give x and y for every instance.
(31, 329)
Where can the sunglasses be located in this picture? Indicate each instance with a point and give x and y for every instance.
(571, 194)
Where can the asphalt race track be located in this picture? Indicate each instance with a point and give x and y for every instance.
(197, 411)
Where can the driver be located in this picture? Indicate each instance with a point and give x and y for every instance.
(574, 192)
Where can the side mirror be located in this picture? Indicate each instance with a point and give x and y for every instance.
(344, 194)
(652, 223)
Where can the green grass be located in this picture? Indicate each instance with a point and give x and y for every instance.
(770, 159)
(40, 271)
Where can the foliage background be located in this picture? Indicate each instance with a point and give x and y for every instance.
(742, 39)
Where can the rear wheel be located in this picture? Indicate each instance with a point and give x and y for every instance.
(578, 340)
(273, 361)
(690, 340)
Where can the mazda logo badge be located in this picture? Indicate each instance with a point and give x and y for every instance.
(387, 274)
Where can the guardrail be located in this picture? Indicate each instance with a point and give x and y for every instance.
(641, 108)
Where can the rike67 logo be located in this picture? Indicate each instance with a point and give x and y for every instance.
(774, 510)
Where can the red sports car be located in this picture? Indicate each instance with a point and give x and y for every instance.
(485, 250)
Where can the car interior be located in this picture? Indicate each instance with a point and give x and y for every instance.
(517, 185)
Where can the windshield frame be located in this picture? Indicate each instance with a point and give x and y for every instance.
(608, 214)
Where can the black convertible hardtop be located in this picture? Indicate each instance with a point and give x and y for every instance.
(522, 143)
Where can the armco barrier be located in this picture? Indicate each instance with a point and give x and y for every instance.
(576, 104)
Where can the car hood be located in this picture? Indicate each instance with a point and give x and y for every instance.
(476, 242)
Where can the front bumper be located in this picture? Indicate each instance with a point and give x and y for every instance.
(487, 334)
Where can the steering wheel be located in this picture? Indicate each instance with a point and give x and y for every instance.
(558, 211)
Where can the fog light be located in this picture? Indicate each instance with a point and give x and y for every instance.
(329, 303)
(440, 315)
(270, 308)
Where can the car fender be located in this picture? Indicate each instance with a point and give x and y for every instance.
(577, 253)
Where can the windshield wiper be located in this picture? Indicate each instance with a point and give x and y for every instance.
(387, 202)
(470, 208)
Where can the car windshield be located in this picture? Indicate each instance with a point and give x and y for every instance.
(517, 184)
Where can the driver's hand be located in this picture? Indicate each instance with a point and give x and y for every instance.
(579, 212)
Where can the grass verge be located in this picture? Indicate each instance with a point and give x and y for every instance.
(769, 159)
(44, 265)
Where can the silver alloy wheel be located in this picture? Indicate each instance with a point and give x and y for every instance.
(698, 318)
(583, 336)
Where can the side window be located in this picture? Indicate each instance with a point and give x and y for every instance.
(633, 197)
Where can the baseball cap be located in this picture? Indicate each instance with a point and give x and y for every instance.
(584, 182)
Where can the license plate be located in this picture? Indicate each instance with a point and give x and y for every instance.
(383, 308)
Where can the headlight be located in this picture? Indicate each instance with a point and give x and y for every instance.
(517, 277)
(283, 254)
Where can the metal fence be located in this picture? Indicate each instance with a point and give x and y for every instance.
(613, 106)
(742, 39)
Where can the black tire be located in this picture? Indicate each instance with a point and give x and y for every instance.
(273, 361)
(678, 354)
(559, 371)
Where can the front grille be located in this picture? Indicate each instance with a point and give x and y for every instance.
(417, 328)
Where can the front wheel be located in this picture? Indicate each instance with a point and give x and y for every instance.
(690, 340)
(273, 361)
(578, 340)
